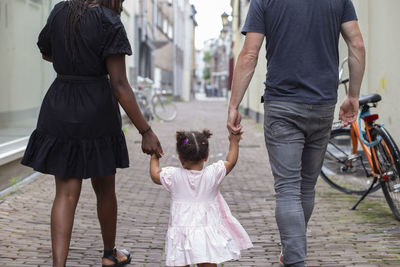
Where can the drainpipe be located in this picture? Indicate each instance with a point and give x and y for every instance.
(175, 32)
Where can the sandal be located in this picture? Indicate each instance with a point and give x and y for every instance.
(111, 255)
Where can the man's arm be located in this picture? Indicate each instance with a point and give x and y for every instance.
(244, 70)
(356, 50)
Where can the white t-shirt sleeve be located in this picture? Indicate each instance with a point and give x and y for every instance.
(219, 171)
(167, 177)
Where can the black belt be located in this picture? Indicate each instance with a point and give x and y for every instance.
(82, 78)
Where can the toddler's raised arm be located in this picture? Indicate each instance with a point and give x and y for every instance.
(155, 169)
(233, 152)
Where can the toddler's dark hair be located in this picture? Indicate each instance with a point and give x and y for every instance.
(192, 145)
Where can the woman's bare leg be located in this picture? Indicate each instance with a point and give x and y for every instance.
(107, 209)
(62, 217)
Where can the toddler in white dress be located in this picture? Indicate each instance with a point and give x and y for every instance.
(201, 228)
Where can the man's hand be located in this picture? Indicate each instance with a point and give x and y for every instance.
(233, 123)
(348, 111)
(151, 145)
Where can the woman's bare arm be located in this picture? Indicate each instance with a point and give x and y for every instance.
(126, 97)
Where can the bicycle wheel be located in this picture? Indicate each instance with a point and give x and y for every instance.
(343, 170)
(164, 108)
(388, 158)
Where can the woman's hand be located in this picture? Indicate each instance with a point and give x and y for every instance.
(151, 145)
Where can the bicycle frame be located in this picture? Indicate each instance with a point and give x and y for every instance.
(356, 136)
(143, 98)
(377, 137)
(368, 147)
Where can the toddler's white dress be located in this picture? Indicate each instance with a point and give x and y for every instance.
(201, 227)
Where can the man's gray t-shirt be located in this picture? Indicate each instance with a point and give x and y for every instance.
(302, 39)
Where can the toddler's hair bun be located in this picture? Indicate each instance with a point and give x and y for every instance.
(207, 133)
(180, 136)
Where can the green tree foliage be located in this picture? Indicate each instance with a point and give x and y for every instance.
(206, 73)
(207, 57)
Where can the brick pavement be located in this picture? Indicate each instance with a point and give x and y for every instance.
(337, 237)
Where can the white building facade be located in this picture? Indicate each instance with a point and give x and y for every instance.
(25, 77)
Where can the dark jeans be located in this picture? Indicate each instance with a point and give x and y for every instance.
(296, 136)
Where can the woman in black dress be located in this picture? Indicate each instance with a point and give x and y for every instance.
(78, 133)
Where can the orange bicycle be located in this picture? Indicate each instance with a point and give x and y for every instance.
(360, 161)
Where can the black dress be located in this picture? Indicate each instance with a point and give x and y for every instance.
(79, 132)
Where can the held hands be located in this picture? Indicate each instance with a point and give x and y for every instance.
(348, 111)
(235, 138)
(233, 152)
(151, 145)
(233, 123)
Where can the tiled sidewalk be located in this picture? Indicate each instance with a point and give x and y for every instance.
(337, 237)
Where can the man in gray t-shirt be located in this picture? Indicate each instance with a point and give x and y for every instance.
(300, 95)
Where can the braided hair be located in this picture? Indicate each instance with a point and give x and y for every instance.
(192, 145)
(76, 11)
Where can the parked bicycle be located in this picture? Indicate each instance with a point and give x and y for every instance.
(361, 160)
(155, 103)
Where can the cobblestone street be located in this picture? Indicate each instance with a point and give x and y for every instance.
(369, 236)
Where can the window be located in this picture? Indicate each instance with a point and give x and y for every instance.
(171, 32)
(20, 99)
(165, 26)
(160, 18)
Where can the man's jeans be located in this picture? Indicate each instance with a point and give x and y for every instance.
(296, 136)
